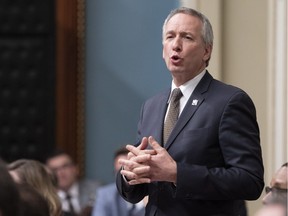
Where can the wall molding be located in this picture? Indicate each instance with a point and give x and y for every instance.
(277, 85)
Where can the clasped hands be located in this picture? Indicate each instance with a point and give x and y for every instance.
(147, 165)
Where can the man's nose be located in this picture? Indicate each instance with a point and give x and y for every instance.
(177, 44)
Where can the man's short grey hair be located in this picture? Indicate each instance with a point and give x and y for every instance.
(207, 31)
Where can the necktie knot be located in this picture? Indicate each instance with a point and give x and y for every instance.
(176, 95)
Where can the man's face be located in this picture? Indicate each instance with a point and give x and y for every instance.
(65, 170)
(184, 51)
(278, 186)
(272, 210)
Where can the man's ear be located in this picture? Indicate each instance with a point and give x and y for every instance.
(208, 51)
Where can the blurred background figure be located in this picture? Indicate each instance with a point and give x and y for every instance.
(277, 191)
(76, 195)
(108, 200)
(35, 174)
(274, 209)
(9, 195)
(275, 200)
(32, 202)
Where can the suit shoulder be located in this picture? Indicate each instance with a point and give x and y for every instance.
(226, 94)
(227, 89)
(107, 188)
(219, 84)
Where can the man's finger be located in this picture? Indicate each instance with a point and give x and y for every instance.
(142, 158)
(154, 144)
(139, 181)
(127, 164)
(144, 143)
(139, 149)
(132, 149)
(141, 171)
(128, 174)
(150, 151)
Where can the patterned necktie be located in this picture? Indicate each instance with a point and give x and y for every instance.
(173, 114)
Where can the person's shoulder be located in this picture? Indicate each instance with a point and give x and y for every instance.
(227, 93)
(226, 88)
(221, 91)
(108, 188)
(215, 83)
(221, 84)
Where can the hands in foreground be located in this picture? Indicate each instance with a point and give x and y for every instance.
(146, 165)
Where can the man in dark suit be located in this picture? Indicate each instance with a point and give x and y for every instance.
(211, 161)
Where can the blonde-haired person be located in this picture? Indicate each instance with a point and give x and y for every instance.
(34, 173)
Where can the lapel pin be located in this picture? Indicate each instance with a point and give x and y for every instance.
(194, 102)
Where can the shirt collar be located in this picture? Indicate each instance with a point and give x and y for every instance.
(188, 87)
(73, 191)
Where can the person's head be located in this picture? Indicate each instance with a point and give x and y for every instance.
(277, 191)
(187, 43)
(120, 153)
(64, 168)
(9, 195)
(32, 203)
(35, 174)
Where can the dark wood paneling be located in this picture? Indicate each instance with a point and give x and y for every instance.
(27, 79)
(41, 78)
(69, 87)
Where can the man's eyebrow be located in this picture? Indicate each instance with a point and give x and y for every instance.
(279, 184)
(169, 32)
(186, 33)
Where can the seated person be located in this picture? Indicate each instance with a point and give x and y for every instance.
(277, 192)
(108, 200)
(76, 195)
(35, 174)
(32, 202)
(275, 200)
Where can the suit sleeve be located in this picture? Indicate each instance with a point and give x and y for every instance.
(131, 193)
(241, 178)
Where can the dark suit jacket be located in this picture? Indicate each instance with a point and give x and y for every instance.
(217, 149)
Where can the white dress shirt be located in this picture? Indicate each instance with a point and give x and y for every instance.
(186, 89)
(74, 193)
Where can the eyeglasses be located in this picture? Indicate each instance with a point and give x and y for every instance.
(274, 189)
(275, 195)
(62, 167)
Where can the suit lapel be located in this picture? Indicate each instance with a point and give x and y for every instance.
(194, 102)
(163, 103)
